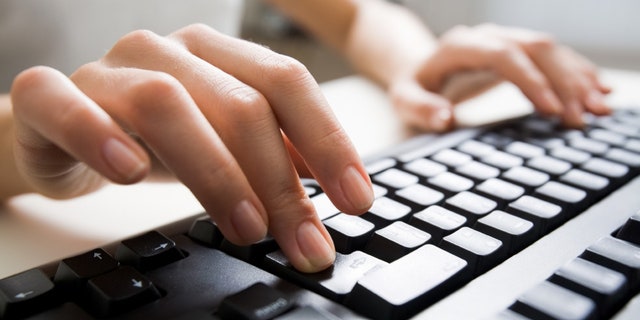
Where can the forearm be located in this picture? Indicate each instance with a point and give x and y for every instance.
(11, 182)
(381, 40)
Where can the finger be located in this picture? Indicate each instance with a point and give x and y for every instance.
(53, 113)
(158, 108)
(300, 108)
(420, 108)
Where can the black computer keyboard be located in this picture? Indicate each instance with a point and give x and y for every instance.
(452, 212)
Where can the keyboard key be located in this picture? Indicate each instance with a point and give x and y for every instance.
(451, 182)
(118, 291)
(425, 167)
(607, 136)
(395, 241)
(335, 282)
(451, 158)
(349, 233)
(421, 195)
(148, 251)
(396, 178)
(252, 253)
(570, 154)
(380, 165)
(550, 301)
(385, 211)
(478, 171)
(549, 165)
(562, 192)
(476, 148)
(585, 180)
(544, 215)
(524, 150)
(630, 231)
(73, 273)
(482, 252)
(500, 190)
(605, 168)
(589, 145)
(307, 313)
(408, 284)
(526, 176)
(26, 293)
(514, 232)
(617, 255)
(604, 286)
(625, 157)
(205, 231)
(502, 160)
(257, 302)
(437, 221)
(324, 206)
(471, 205)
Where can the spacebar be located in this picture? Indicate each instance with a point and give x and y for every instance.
(407, 285)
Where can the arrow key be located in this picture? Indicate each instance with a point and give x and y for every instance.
(26, 293)
(118, 291)
(73, 272)
(148, 251)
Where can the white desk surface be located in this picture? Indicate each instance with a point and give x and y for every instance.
(35, 230)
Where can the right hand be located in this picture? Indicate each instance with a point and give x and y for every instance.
(220, 113)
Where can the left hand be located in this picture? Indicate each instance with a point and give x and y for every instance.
(556, 79)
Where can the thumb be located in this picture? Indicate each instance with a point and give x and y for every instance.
(421, 108)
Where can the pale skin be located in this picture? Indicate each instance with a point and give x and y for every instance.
(236, 122)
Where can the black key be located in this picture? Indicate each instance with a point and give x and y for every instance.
(550, 301)
(407, 285)
(252, 253)
(605, 287)
(545, 216)
(349, 233)
(148, 251)
(514, 232)
(73, 273)
(630, 231)
(437, 221)
(395, 241)
(471, 205)
(118, 291)
(617, 255)
(205, 231)
(26, 293)
(482, 252)
(257, 302)
(336, 281)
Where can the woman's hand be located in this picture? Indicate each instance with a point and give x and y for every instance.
(557, 80)
(222, 114)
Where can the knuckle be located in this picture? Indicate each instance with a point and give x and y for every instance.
(281, 69)
(248, 104)
(154, 92)
(133, 41)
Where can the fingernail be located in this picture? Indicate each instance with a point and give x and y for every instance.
(357, 188)
(551, 102)
(314, 247)
(248, 222)
(126, 162)
(440, 120)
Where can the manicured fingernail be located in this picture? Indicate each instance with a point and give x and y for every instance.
(441, 119)
(357, 188)
(248, 222)
(551, 102)
(126, 162)
(314, 246)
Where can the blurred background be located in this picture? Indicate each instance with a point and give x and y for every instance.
(607, 32)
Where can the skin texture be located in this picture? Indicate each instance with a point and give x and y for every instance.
(238, 123)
